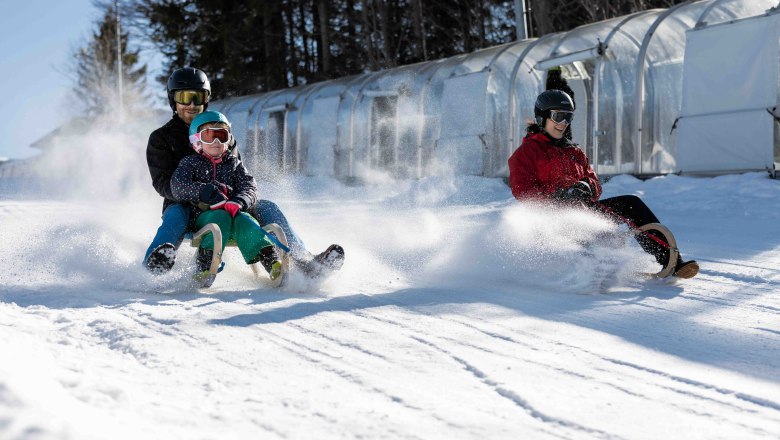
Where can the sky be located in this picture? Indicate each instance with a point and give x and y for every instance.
(38, 38)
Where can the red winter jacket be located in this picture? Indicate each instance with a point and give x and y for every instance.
(538, 168)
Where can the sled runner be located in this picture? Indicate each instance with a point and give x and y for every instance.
(273, 232)
(671, 244)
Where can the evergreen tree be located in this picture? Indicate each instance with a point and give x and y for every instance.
(95, 70)
(256, 46)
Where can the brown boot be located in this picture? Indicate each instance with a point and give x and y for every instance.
(686, 269)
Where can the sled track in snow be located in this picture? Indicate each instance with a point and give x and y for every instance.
(731, 401)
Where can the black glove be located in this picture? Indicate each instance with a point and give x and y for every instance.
(579, 192)
(227, 190)
(211, 197)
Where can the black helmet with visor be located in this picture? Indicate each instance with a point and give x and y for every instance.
(188, 85)
(554, 104)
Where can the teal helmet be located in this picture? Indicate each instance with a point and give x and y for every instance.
(205, 118)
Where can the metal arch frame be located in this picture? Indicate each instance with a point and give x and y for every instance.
(256, 119)
(249, 111)
(359, 80)
(429, 69)
(705, 12)
(440, 64)
(434, 67)
(415, 69)
(640, 82)
(510, 78)
(487, 67)
(299, 120)
(606, 39)
(358, 95)
(596, 87)
(700, 23)
(513, 131)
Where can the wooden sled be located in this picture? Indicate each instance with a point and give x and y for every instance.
(674, 252)
(274, 233)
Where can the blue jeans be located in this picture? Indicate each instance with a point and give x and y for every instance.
(269, 212)
(176, 218)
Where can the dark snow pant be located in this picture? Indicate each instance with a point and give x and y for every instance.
(633, 211)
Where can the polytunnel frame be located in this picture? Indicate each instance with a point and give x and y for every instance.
(595, 130)
(299, 121)
(450, 63)
(226, 111)
(433, 67)
(593, 99)
(640, 80)
(358, 96)
(514, 132)
(428, 69)
(701, 23)
(528, 43)
(488, 68)
(260, 103)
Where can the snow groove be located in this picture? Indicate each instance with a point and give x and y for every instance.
(327, 361)
(723, 391)
(515, 398)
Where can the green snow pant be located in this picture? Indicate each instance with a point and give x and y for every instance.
(244, 230)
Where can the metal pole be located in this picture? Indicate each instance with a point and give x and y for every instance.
(119, 61)
(521, 20)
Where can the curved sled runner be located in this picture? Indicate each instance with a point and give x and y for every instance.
(274, 233)
(674, 252)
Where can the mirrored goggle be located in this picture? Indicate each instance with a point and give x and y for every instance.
(561, 116)
(185, 97)
(211, 135)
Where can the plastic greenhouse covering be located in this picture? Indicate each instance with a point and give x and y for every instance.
(659, 91)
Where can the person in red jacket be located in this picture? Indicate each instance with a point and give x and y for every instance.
(548, 167)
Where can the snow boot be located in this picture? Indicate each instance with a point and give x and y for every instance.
(202, 265)
(686, 269)
(326, 262)
(161, 259)
(269, 258)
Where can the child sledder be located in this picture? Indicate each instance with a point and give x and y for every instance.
(548, 167)
(219, 191)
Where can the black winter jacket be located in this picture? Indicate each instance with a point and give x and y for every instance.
(195, 171)
(167, 146)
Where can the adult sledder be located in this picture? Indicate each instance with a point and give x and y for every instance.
(189, 92)
(549, 167)
(219, 191)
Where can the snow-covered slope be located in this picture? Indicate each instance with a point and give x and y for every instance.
(459, 314)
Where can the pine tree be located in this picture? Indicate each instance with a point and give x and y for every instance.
(95, 70)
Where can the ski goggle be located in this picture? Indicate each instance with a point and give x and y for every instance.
(561, 116)
(185, 97)
(210, 135)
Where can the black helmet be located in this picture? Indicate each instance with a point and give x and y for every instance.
(188, 78)
(551, 100)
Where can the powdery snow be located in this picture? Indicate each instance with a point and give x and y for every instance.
(459, 313)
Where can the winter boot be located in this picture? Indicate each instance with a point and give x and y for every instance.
(161, 259)
(202, 267)
(686, 269)
(270, 261)
(326, 262)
